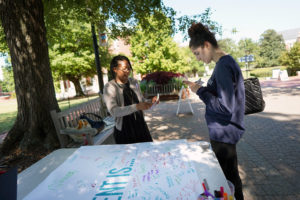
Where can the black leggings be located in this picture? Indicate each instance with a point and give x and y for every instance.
(227, 157)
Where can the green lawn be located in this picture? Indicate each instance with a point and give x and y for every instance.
(8, 110)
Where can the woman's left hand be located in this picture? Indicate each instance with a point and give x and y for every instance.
(154, 100)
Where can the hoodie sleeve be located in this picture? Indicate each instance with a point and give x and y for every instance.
(222, 102)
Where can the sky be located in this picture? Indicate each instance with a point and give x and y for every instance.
(250, 18)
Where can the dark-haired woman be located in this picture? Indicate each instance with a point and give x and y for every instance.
(224, 97)
(125, 103)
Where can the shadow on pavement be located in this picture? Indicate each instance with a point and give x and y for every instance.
(271, 91)
(268, 153)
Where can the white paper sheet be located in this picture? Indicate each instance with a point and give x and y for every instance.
(159, 170)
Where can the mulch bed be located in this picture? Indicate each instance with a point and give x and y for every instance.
(21, 160)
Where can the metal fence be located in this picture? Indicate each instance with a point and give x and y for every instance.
(167, 89)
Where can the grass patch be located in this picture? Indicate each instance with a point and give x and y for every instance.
(8, 110)
(7, 120)
(65, 104)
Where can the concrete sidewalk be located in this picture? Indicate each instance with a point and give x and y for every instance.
(269, 151)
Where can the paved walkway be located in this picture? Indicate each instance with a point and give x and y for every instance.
(268, 153)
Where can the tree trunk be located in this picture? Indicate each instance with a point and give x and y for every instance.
(24, 28)
(78, 89)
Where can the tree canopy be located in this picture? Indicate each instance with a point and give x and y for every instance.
(229, 46)
(153, 48)
(73, 58)
(291, 58)
(25, 25)
(117, 17)
(271, 46)
(193, 66)
(248, 47)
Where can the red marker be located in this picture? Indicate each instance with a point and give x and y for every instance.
(222, 191)
(203, 184)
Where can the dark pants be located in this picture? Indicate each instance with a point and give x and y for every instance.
(227, 157)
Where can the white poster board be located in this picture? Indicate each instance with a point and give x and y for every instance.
(283, 76)
(159, 170)
(275, 73)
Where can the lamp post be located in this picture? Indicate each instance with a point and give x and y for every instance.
(103, 111)
(96, 51)
(97, 60)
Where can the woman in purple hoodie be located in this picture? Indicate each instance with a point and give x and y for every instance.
(224, 97)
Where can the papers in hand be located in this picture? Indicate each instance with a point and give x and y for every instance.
(155, 103)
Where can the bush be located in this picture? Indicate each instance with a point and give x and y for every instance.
(292, 59)
(144, 83)
(13, 95)
(264, 72)
(178, 81)
(292, 71)
(160, 79)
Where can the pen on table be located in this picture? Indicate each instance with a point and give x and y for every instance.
(206, 184)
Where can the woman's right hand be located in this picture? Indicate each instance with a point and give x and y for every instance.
(143, 105)
(194, 86)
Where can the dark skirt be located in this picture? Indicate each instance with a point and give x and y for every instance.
(134, 130)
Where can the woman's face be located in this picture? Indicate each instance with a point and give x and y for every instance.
(203, 53)
(122, 71)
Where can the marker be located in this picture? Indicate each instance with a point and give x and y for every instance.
(217, 194)
(222, 191)
(206, 185)
(203, 184)
(225, 196)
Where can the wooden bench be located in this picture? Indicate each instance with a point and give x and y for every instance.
(66, 121)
